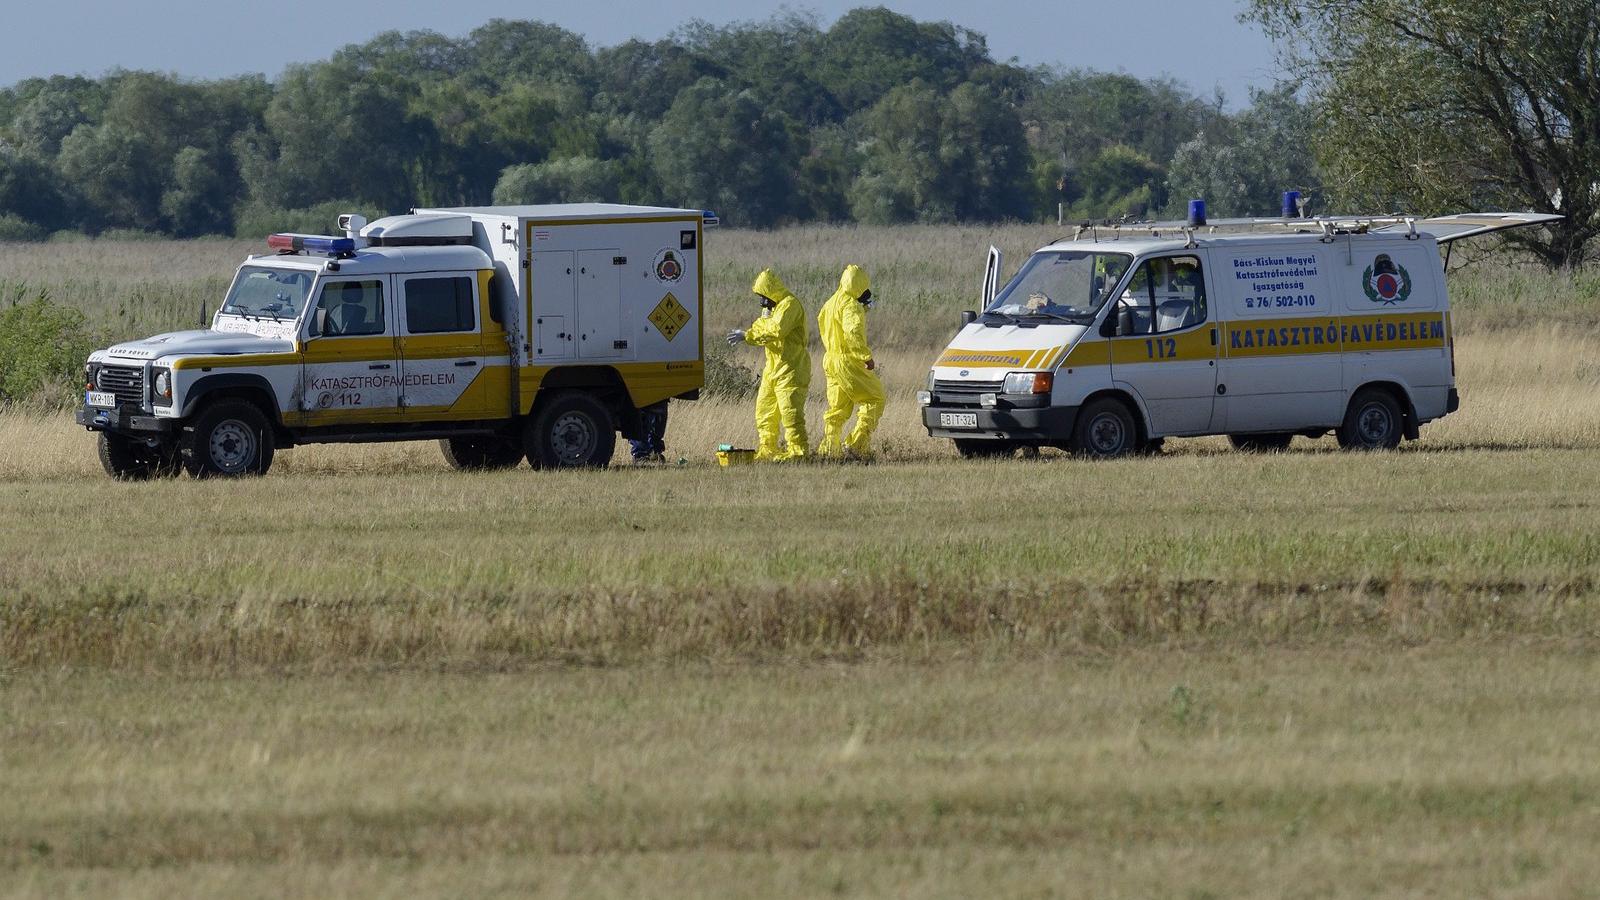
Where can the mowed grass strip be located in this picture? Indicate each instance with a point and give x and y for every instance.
(1455, 771)
(473, 568)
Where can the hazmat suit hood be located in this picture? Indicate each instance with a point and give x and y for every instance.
(770, 286)
(854, 281)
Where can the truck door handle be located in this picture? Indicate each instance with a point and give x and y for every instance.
(467, 362)
(378, 366)
(1213, 337)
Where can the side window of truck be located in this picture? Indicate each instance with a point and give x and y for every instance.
(1166, 294)
(435, 305)
(349, 308)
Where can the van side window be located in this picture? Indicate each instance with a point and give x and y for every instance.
(349, 308)
(435, 305)
(1166, 294)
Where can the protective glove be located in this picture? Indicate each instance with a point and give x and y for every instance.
(735, 337)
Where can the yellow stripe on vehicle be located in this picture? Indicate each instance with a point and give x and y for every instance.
(1349, 334)
(1194, 344)
(984, 359)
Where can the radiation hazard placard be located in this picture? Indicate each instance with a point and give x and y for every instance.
(669, 317)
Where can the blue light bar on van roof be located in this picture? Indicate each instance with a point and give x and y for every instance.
(311, 243)
(709, 217)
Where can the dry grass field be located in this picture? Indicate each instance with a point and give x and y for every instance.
(1203, 674)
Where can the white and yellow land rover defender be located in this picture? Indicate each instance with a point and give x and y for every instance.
(1260, 329)
(505, 333)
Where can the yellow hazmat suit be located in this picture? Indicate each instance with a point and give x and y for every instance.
(846, 360)
(787, 374)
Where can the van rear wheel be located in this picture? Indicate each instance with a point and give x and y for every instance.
(480, 453)
(1373, 422)
(1260, 443)
(570, 430)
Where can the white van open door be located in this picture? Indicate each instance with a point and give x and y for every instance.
(991, 278)
(1464, 225)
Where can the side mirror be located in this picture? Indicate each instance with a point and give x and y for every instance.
(968, 317)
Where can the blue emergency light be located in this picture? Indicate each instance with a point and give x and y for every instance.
(1197, 213)
(312, 243)
(1291, 204)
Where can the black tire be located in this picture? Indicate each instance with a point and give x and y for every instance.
(127, 459)
(972, 448)
(1260, 443)
(472, 454)
(570, 430)
(1373, 422)
(1105, 430)
(229, 439)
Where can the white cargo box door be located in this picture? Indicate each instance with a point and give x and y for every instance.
(600, 334)
(552, 301)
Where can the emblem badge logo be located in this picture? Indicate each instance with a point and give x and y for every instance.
(1386, 283)
(668, 267)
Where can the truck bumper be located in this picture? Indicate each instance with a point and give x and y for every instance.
(123, 421)
(1049, 424)
(1452, 404)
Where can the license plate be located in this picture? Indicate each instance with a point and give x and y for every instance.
(958, 420)
(104, 399)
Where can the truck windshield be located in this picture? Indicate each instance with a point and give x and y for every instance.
(1059, 284)
(264, 292)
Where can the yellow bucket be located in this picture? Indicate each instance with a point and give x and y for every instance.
(729, 455)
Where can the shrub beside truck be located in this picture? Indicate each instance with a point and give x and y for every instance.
(505, 333)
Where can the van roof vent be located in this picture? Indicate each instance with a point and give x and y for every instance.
(419, 230)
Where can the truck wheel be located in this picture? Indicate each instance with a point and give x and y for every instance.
(977, 449)
(1260, 443)
(481, 453)
(570, 430)
(1104, 430)
(126, 459)
(229, 439)
(1373, 422)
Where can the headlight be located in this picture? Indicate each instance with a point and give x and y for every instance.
(1029, 382)
(161, 390)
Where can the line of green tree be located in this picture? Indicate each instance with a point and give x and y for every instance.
(879, 118)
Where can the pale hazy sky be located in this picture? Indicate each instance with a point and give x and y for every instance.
(1199, 42)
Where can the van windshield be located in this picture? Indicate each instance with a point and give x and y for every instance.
(1070, 285)
(263, 292)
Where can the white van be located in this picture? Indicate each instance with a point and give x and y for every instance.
(1108, 343)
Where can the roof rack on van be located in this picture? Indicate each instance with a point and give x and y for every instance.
(1444, 229)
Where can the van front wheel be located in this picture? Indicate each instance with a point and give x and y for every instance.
(1373, 422)
(977, 448)
(1104, 430)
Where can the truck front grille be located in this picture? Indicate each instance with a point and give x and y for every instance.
(963, 393)
(127, 382)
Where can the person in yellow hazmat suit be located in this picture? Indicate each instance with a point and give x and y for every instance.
(781, 401)
(853, 383)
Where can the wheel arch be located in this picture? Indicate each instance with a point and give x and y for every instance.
(604, 383)
(1127, 397)
(1401, 395)
(251, 388)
